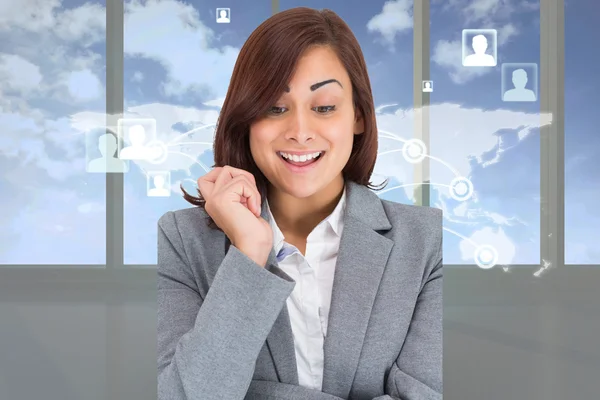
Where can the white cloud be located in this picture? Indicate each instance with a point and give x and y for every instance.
(138, 76)
(488, 14)
(30, 15)
(506, 33)
(18, 74)
(85, 24)
(448, 54)
(23, 141)
(395, 18)
(83, 85)
(172, 34)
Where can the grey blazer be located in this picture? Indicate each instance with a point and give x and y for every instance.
(224, 331)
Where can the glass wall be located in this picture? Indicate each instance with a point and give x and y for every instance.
(178, 63)
(485, 119)
(52, 114)
(582, 142)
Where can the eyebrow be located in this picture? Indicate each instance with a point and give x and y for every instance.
(318, 85)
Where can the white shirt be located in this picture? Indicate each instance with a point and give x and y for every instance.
(309, 303)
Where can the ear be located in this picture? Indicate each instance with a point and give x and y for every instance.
(359, 122)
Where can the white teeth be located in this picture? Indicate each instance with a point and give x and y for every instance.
(302, 158)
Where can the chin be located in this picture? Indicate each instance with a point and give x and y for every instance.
(299, 190)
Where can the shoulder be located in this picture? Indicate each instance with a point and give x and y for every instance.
(425, 217)
(193, 220)
(422, 225)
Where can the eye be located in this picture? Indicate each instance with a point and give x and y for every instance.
(324, 109)
(276, 110)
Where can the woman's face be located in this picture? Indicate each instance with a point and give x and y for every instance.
(305, 140)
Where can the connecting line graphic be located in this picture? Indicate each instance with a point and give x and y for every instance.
(413, 142)
(413, 150)
(409, 184)
(195, 160)
(185, 134)
(460, 188)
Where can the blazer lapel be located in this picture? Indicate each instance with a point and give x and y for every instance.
(361, 261)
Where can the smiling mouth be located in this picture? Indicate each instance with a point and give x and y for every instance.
(301, 160)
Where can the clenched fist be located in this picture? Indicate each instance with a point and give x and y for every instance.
(234, 204)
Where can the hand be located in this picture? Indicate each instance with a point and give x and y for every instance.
(234, 203)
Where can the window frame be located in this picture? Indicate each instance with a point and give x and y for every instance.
(552, 145)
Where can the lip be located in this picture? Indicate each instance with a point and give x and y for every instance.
(301, 169)
(299, 153)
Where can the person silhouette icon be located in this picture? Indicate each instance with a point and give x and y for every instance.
(223, 17)
(519, 93)
(427, 88)
(137, 150)
(480, 58)
(159, 189)
(108, 163)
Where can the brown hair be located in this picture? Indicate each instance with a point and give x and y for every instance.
(264, 67)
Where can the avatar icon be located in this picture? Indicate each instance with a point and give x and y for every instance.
(137, 150)
(108, 163)
(160, 183)
(520, 92)
(427, 86)
(480, 46)
(223, 16)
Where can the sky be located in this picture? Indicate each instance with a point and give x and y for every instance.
(178, 62)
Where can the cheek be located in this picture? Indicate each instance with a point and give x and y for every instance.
(260, 143)
(342, 137)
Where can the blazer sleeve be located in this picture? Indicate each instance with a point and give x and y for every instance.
(207, 347)
(417, 373)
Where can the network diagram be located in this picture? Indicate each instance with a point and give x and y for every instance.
(136, 140)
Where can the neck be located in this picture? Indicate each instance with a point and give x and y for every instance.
(298, 217)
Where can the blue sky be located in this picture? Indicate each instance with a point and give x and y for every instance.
(177, 68)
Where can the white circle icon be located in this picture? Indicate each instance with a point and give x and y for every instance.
(461, 188)
(486, 256)
(159, 152)
(414, 151)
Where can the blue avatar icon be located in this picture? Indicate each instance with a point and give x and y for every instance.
(520, 92)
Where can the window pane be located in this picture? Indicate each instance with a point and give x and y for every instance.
(52, 103)
(582, 143)
(485, 130)
(178, 63)
(384, 30)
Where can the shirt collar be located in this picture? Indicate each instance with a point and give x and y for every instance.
(335, 220)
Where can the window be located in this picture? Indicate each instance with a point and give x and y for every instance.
(582, 143)
(178, 76)
(485, 146)
(52, 113)
(60, 101)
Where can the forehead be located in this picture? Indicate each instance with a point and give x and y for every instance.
(318, 64)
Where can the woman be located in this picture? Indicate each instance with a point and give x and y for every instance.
(303, 284)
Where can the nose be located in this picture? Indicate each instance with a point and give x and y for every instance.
(300, 128)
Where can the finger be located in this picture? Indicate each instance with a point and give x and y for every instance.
(237, 171)
(223, 179)
(206, 183)
(212, 175)
(251, 195)
(243, 191)
(228, 173)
